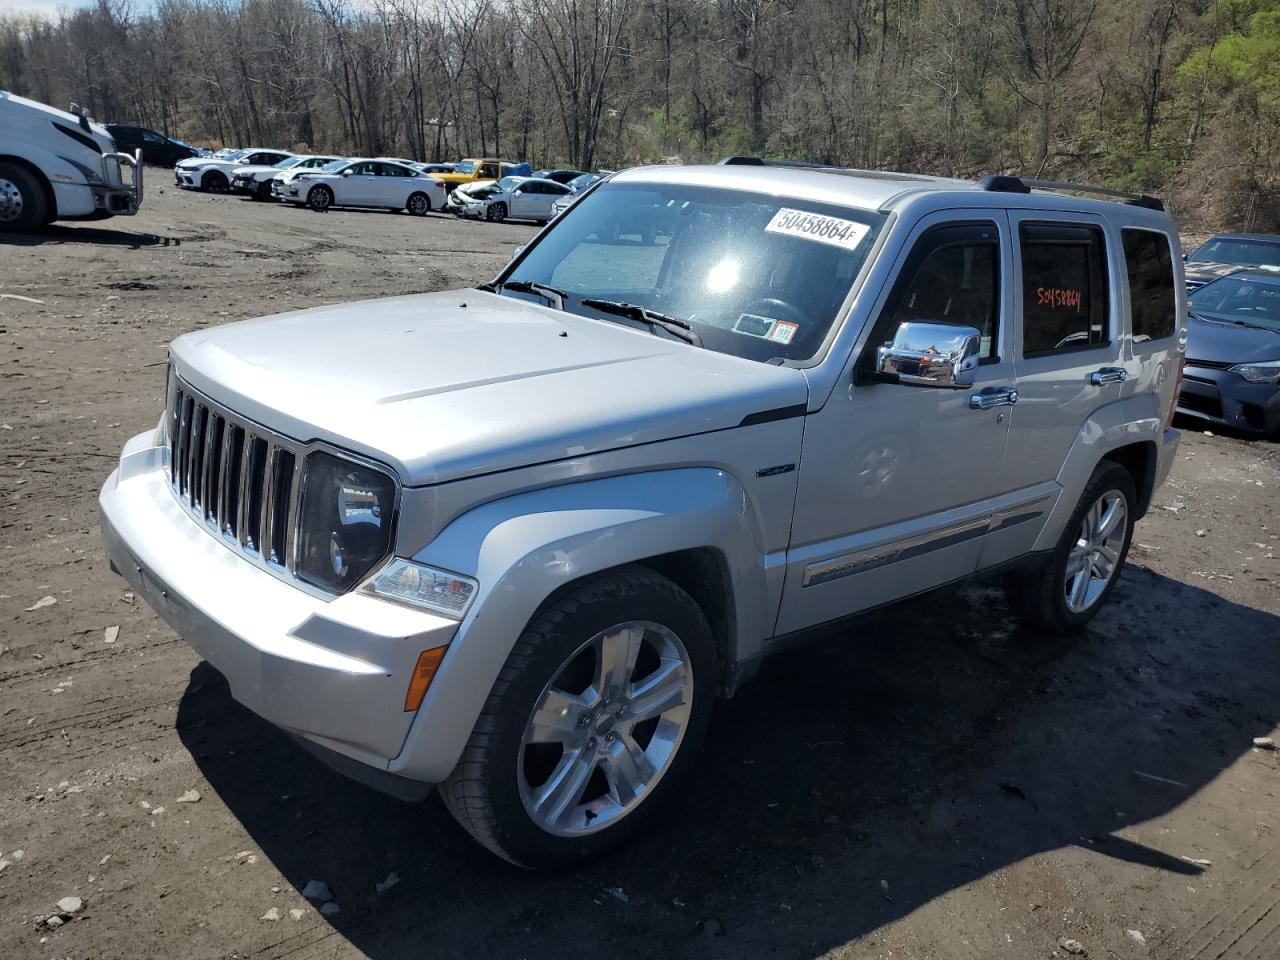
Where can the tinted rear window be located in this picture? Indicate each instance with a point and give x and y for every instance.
(1064, 288)
(1149, 262)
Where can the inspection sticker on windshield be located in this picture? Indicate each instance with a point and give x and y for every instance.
(816, 226)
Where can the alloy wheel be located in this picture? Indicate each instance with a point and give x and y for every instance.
(11, 202)
(605, 729)
(1095, 555)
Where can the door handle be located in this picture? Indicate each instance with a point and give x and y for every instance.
(1002, 396)
(1108, 375)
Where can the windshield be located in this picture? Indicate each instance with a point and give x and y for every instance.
(1247, 253)
(466, 166)
(1237, 299)
(586, 180)
(288, 162)
(755, 276)
(334, 165)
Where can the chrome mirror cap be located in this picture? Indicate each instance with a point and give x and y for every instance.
(931, 355)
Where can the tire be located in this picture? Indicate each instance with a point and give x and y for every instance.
(320, 199)
(23, 206)
(418, 204)
(1048, 595)
(495, 790)
(497, 212)
(213, 182)
(263, 191)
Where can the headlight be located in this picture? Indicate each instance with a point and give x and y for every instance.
(345, 521)
(421, 586)
(1265, 371)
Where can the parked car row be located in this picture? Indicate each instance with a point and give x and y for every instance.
(1232, 371)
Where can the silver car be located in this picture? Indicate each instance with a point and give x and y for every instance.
(515, 541)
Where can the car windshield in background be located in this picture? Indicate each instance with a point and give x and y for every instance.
(288, 162)
(579, 183)
(1240, 300)
(754, 275)
(467, 166)
(1246, 253)
(335, 165)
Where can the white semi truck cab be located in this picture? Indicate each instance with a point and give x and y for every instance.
(59, 165)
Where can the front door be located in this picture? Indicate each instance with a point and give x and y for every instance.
(360, 187)
(898, 483)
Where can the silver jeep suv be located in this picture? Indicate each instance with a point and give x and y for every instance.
(516, 540)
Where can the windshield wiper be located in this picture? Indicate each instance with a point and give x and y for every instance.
(678, 328)
(550, 294)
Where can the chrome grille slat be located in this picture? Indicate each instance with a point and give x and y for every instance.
(239, 480)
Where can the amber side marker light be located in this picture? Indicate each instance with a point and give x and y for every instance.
(423, 673)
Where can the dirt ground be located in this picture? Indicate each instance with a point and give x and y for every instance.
(930, 782)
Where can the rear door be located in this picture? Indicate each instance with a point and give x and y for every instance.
(1067, 287)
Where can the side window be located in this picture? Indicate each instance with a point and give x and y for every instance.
(952, 275)
(489, 170)
(1064, 288)
(1149, 263)
(152, 137)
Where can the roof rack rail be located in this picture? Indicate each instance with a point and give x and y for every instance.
(762, 162)
(1007, 184)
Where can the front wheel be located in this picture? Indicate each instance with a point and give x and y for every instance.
(320, 199)
(213, 182)
(497, 212)
(263, 190)
(592, 724)
(1065, 592)
(22, 201)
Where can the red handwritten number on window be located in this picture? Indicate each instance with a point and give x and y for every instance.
(1057, 297)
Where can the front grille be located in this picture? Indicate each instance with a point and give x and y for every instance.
(1209, 364)
(1209, 406)
(238, 479)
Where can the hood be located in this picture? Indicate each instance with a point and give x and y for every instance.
(1219, 341)
(1203, 271)
(246, 169)
(449, 385)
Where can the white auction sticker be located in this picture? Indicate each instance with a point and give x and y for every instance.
(816, 226)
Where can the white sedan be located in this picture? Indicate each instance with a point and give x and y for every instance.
(366, 183)
(529, 199)
(213, 174)
(255, 179)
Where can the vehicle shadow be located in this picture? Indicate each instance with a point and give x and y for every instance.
(76, 233)
(902, 756)
(1193, 424)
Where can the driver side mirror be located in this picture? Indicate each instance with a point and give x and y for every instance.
(347, 173)
(926, 354)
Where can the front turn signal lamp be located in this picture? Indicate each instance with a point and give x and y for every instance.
(418, 585)
(423, 673)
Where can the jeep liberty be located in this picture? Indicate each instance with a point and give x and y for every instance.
(514, 541)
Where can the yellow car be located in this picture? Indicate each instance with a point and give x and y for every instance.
(475, 171)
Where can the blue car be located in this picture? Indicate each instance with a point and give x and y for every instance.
(1232, 373)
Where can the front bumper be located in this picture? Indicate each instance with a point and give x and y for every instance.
(1212, 393)
(185, 178)
(333, 670)
(125, 199)
(243, 184)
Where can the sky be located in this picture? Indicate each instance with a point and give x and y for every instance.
(48, 8)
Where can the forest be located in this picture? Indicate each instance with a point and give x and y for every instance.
(1179, 98)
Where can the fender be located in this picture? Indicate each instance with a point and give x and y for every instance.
(68, 180)
(1131, 420)
(521, 549)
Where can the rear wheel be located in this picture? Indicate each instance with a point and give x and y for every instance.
(23, 206)
(419, 205)
(320, 199)
(592, 723)
(497, 212)
(1066, 591)
(213, 182)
